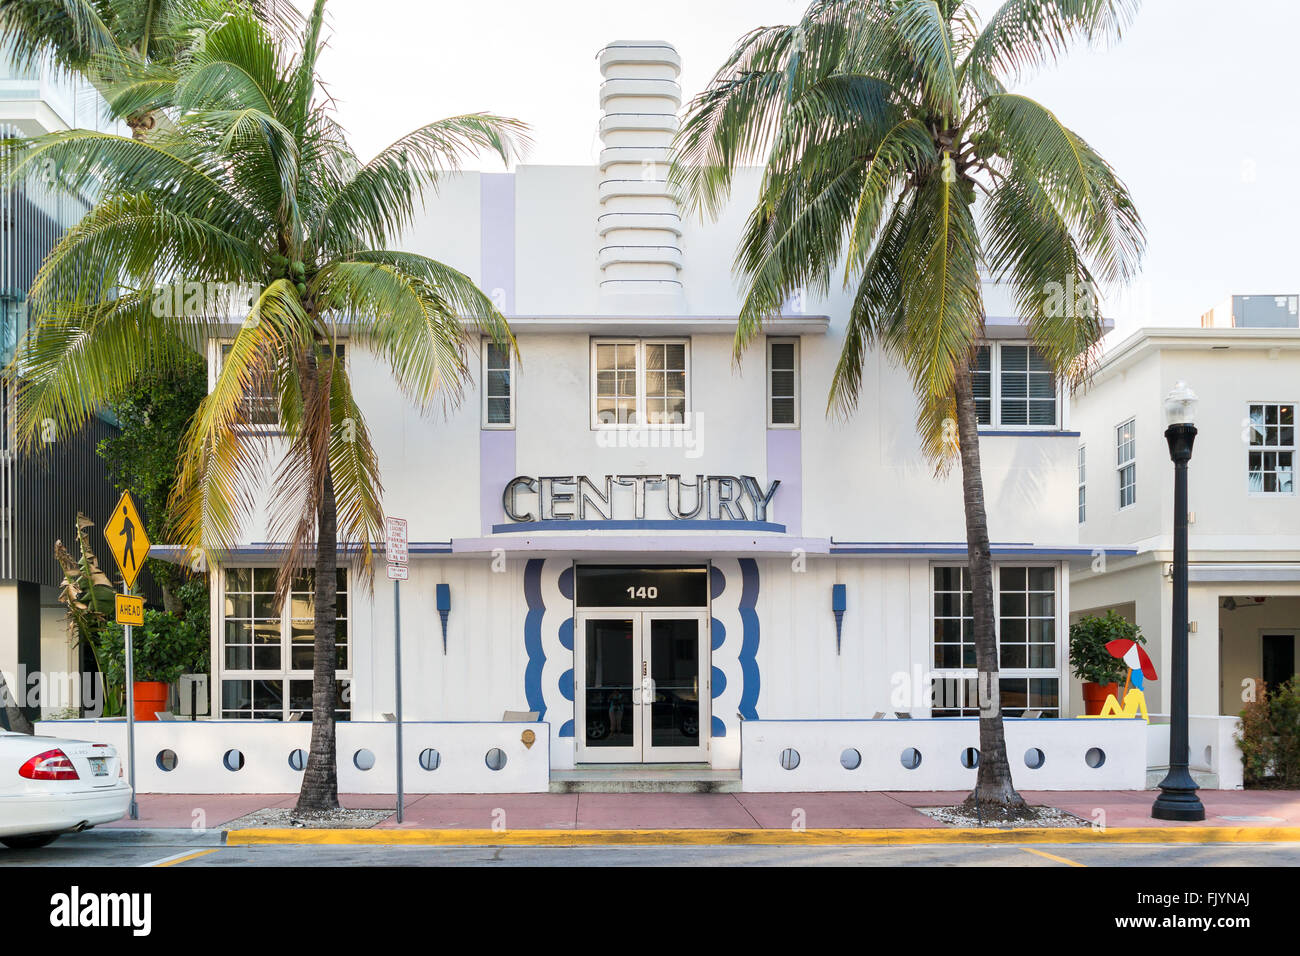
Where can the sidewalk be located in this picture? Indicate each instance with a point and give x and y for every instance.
(1231, 816)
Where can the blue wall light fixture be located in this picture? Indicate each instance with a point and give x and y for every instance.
(444, 610)
(839, 600)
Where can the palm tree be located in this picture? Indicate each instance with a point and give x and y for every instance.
(256, 186)
(892, 149)
(128, 49)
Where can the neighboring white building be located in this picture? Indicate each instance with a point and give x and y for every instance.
(1244, 536)
(643, 547)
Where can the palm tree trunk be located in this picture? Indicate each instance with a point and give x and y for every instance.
(993, 787)
(320, 783)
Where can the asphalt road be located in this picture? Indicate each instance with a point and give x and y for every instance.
(185, 849)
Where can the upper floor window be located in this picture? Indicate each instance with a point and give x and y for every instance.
(640, 382)
(1013, 387)
(1271, 458)
(783, 383)
(262, 400)
(1083, 484)
(498, 385)
(1126, 461)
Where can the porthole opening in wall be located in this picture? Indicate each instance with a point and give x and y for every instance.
(233, 760)
(910, 758)
(298, 760)
(1034, 758)
(495, 759)
(166, 760)
(363, 759)
(789, 758)
(970, 758)
(850, 759)
(1095, 757)
(430, 759)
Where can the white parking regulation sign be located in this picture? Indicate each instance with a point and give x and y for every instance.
(395, 529)
(398, 572)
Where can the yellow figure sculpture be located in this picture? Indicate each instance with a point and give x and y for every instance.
(1134, 698)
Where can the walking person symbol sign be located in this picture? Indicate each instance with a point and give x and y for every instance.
(130, 546)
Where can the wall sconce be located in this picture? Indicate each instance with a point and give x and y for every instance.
(444, 610)
(838, 603)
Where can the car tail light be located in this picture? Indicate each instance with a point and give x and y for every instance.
(51, 765)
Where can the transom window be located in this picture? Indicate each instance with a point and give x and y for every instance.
(498, 385)
(1126, 462)
(1025, 614)
(640, 382)
(1271, 458)
(1013, 387)
(268, 650)
(782, 383)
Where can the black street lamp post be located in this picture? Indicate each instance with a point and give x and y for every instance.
(1178, 799)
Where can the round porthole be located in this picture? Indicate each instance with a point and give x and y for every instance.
(298, 760)
(166, 760)
(233, 760)
(789, 758)
(495, 759)
(850, 759)
(1034, 758)
(970, 758)
(430, 759)
(910, 758)
(1095, 757)
(363, 759)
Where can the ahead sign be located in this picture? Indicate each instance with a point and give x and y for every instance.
(129, 608)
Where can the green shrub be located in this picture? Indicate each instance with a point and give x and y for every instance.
(1089, 658)
(163, 649)
(1270, 737)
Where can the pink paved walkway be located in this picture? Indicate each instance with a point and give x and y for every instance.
(638, 811)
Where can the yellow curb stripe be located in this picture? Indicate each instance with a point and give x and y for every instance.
(1052, 856)
(187, 857)
(811, 837)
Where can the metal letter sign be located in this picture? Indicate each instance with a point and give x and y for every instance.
(127, 539)
(130, 609)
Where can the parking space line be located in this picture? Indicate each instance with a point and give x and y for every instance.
(1052, 856)
(181, 857)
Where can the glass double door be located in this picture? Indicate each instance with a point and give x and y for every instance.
(642, 688)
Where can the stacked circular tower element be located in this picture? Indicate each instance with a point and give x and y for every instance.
(639, 226)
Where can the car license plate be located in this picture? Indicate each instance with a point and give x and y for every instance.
(99, 766)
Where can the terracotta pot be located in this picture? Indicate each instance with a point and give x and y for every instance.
(1094, 697)
(150, 697)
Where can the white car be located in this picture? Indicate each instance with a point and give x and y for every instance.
(50, 785)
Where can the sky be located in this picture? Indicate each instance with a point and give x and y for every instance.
(1195, 108)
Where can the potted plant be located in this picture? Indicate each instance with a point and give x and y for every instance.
(163, 648)
(1092, 663)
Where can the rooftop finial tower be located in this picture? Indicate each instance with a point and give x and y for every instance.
(640, 225)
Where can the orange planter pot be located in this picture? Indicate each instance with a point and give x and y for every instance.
(1094, 697)
(150, 697)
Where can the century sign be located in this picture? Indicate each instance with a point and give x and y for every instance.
(578, 497)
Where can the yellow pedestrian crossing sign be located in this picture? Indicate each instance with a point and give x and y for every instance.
(127, 539)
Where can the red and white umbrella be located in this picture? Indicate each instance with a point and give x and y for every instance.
(1132, 654)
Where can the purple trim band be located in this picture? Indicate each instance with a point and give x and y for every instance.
(785, 463)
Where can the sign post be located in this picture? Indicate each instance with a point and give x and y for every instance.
(396, 552)
(129, 544)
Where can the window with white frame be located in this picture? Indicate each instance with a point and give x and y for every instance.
(1083, 484)
(1025, 615)
(639, 382)
(1013, 387)
(782, 383)
(1271, 458)
(498, 385)
(1126, 462)
(261, 401)
(268, 648)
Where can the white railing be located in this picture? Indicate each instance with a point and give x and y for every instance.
(242, 756)
(791, 755)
